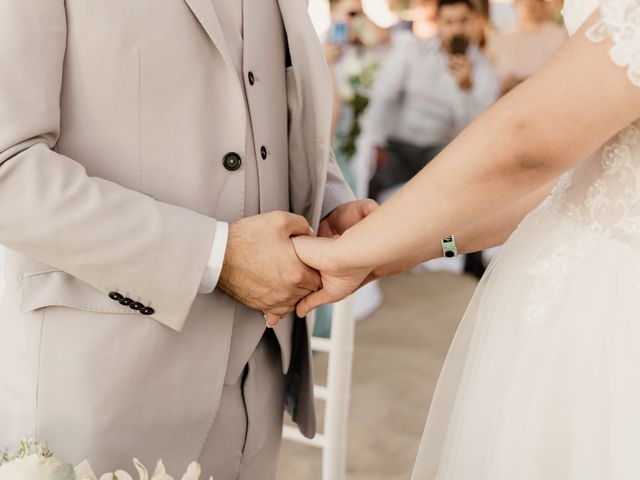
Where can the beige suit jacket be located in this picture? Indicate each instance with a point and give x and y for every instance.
(115, 118)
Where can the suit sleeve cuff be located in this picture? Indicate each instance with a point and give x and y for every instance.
(212, 271)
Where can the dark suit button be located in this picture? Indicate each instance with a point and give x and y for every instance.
(232, 161)
(147, 311)
(115, 296)
(263, 152)
(136, 306)
(126, 301)
(252, 79)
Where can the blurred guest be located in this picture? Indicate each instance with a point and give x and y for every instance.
(521, 50)
(354, 49)
(422, 19)
(436, 87)
(481, 27)
(554, 10)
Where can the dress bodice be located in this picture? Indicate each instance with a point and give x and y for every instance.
(603, 192)
(598, 201)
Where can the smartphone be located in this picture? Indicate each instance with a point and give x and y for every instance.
(339, 33)
(459, 45)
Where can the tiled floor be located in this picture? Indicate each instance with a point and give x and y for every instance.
(398, 356)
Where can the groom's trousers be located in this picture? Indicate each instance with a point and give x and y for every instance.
(244, 441)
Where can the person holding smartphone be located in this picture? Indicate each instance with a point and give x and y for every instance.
(351, 29)
(459, 64)
(352, 44)
(427, 91)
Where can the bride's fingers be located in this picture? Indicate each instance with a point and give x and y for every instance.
(313, 301)
(272, 319)
(298, 246)
(305, 249)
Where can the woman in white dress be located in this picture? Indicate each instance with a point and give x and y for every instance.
(542, 381)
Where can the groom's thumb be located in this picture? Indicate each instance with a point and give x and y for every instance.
(312, 301)
(368, 206)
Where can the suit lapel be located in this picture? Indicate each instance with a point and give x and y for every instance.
(314, 90)
(206, 15)
(312, 76)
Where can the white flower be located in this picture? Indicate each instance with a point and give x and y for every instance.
(193, 472)
(353, 65)
(84, 472)
(34, 461)
(29, 467)
(63, 472)
(346, 92)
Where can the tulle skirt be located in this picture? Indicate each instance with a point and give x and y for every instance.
(542, 381)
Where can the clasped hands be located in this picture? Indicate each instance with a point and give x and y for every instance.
(264, 267)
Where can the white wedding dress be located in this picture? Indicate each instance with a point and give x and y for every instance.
(542, 381)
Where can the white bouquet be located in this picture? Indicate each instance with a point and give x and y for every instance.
(34, 461)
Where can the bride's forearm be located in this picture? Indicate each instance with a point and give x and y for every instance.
(464, 192)
(490, 232)
(496, 229)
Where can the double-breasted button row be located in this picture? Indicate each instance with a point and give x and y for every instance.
(232, 161)
(127, 302)
(263, 150)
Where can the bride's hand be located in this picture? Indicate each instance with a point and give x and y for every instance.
(339, 279)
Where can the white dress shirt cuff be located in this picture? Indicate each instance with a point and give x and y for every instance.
(213, 268)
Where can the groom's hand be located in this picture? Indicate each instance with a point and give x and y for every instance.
(333, 225)
(261, 268)
(345, 216)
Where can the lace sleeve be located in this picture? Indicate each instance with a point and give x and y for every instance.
(620, 20)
